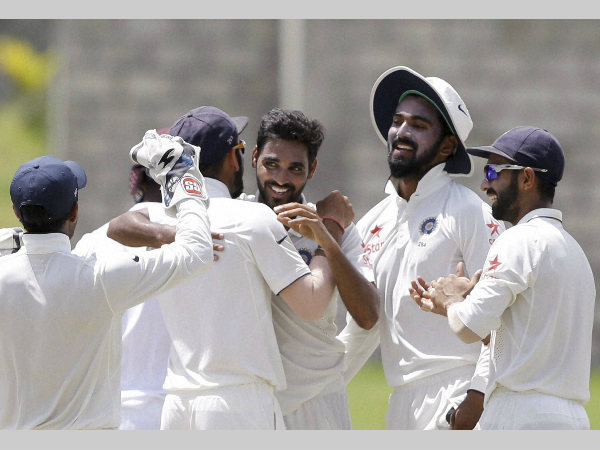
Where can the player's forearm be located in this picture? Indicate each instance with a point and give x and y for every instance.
(134, 229)
(309, 296)
(193, 231)
(459, 328)
(359, 295)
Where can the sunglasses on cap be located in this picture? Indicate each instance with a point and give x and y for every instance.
(491, 171)
(241, 146)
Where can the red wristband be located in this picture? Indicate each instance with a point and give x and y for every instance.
(336, 221)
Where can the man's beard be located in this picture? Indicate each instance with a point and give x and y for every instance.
(239, 179)
(505, 207)
(291, 196)
(418, 164)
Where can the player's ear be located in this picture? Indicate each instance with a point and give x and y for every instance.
(232, 160)
(255, 156)
(528, 178)
(448, 146)
(74, 214)
(312, 168)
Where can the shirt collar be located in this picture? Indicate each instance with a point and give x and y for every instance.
(548, 213)
(433, 180)
(46, 243)
(216, 188)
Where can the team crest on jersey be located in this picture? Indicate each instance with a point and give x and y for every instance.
(428, 226)
(306, 255)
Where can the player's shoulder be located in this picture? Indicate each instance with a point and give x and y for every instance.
(382, 205)
(464, 196)
(247, 212)
(518, 237)
(376, 212)
(247, 197)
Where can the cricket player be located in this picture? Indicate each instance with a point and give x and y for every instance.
(60, 314)
(144, 337)
(285, 158)
(540, 322)
(225, 366)
(427, 224)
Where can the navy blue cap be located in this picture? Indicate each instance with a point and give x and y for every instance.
(530, 147)
(211, 129)
(48, 182)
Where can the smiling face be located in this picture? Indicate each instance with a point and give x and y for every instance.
(416, 137)
(503, 192)
(282, 170)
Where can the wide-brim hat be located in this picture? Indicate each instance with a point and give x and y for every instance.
(399, 81)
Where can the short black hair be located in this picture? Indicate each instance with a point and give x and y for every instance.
(35, 219)
(291, 125)
(546, 189)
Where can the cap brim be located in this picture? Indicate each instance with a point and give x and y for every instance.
(78, 172)
(385, 94)
(485, 150)
(240, 123)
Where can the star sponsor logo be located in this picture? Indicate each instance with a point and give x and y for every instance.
(375, 231)
(494, 263)
(493, 228)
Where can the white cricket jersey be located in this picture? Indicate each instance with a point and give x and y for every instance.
(443, 223)
(145, 342)
(221, 322)
(537, 293)
(60, 322)
(313, 357)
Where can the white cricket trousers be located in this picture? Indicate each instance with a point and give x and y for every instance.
(326, 411)
(141, 410)
(241, 407)
(531, 410)
(423, 404)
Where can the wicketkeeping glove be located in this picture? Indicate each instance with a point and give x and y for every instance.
(10, 240)
(172, 163)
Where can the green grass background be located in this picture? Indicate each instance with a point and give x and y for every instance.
(368, 395)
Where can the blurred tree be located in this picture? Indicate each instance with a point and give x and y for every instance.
(27, 74)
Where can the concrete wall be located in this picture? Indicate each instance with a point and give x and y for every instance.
(120, 78)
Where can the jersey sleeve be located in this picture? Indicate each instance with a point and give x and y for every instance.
(275, 254)
(360, 345)
(131, 277)
(353, 249)
(480, 378)
(509, 269)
